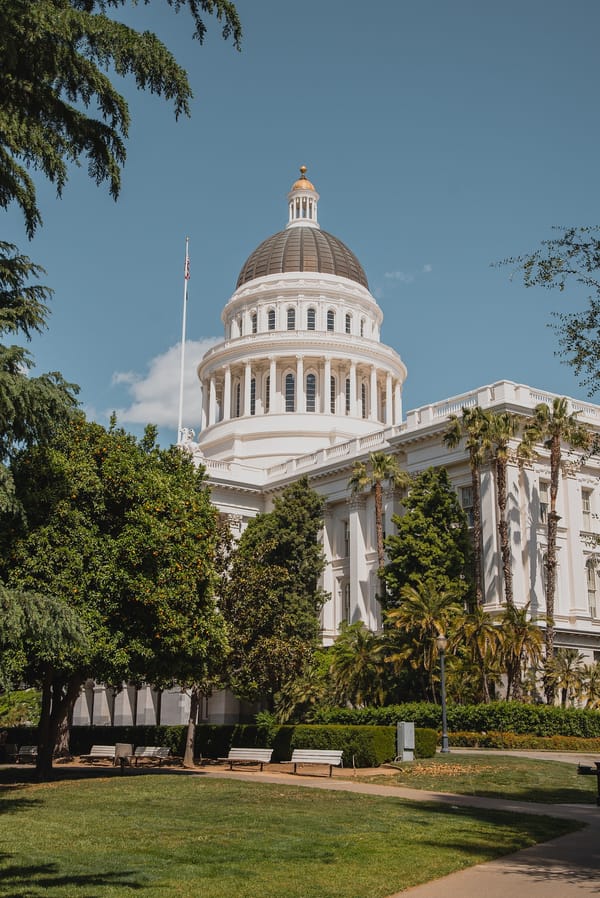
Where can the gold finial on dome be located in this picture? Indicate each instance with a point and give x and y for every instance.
(303, 183)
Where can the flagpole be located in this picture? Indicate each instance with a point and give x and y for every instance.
(186, 277)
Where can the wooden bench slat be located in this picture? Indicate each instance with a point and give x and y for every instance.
(328, 756)
(260, 756)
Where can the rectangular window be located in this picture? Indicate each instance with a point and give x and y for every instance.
(330, 320)
(466, 500)
(268, 393)
(332, 391)
(586, 509)
(543, 494)
(253, 396)
(591, 588)
(311, 392)
(347, 395)
(271, 319)
(348, 324)
(346, 546)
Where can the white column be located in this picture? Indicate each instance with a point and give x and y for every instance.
(212, 401)
(571, 559)
(373, 395)
(328, 617)
(353, 389)
(227, 394)
(247, 378)
(273, 399)
(359, 578)
(326, 388)
(300, 398)
(397, 402)
(388, 398)
(204, 415)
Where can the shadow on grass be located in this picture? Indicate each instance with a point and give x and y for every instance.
(26, 776)
(33, 880)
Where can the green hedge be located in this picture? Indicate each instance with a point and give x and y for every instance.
(514, 717)
(521, 741)
(426, 741)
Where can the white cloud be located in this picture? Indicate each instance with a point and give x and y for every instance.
(427, 268)
(399, 276)
(155, 395)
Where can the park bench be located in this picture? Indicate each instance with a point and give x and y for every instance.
(260, 756)
(157, 753)
(27, 753)
(99, 753)
(330, 757)
(586, 770)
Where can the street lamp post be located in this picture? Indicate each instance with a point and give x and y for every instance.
(442, 644)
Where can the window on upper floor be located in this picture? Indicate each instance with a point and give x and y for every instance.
(592, 584)
(254, 322)
(362, 327)
(253, 396)
(267, 393)
(290, 393)
(332, 394)
(311, 393)
(291, 319)
(347, 395)
(237, 400)
(466, 500)
(363, 400)
(311, 319)
(346, 539)
(544, 492)
(271, 319)
(330, 320)
(346, 603)
(348, 324)
(586, 509)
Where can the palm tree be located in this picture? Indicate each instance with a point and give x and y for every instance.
(482, 641)
(424, 614)
(500, 429)
(357, 665)
(552, 427)
(472, 427)
(381, 467)
(590, 677)
(521, 646)
(566, 671)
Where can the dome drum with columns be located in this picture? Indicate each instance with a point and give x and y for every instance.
(301, 366)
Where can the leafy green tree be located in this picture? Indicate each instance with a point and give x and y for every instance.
(55, 57)
(501, 428)
(30, 407)
(124, 534)
(481, 639)
(552, 427)
(357, 666)
(570, 263)
(271, 599)
(567, 672)
(521, 647)
(590, 676)
(471, 427)
(381, 468)
(300, 696)
(431, 546)
(424, 613)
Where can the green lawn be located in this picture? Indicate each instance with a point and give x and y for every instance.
(173, 835)
(497, 776)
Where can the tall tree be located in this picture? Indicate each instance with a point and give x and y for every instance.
(521, 646)
(357, 659)
(501, 429)
(570, 263)
(272, 599)
(431, 546)
(30, 407)
(124, 534)
(552, 427)
(380, 468)
(471, 427)
(567, 672)
(482, 640)
(55, 56)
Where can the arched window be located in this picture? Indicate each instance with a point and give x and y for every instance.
(271, 319)
(291, 319)
(348, 324)
(254, 322)
(311, 319)
(363, 400)
(268, 393)
(253, 396)
(330, 320)
(332, 394)
(347, 395)
(290, 393)
(237, 400)
(311, 393)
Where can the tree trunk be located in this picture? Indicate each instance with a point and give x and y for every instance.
(553, 519)
(58, 698)
(503, 531)
(188, 756)
(379, 538)
(477, 553)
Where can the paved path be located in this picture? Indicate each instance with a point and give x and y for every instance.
(568, 867)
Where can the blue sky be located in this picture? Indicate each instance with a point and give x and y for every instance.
(442, 137)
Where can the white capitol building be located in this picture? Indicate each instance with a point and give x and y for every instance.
(303, 385)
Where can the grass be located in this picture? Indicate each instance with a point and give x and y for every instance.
(522, 779)
(177, 836)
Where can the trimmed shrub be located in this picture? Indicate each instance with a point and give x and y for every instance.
(425, 742)
(523, 741)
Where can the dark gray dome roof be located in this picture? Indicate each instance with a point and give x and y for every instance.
(302, 249)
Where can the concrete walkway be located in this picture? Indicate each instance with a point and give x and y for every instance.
(568, 867)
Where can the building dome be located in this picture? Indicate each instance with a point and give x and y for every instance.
(302, 246)
(302, 249)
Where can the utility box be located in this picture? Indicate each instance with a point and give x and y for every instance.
(405, 741)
